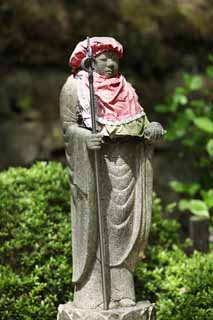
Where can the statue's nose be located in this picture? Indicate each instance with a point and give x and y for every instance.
(109, 62)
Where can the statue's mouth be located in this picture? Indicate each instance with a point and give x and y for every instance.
(109, 72)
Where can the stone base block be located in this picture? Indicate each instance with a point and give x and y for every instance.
(142, 311)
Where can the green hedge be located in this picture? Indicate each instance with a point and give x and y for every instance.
(35, 251)
(181, 286)
(36, 258)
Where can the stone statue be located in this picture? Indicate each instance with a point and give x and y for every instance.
(125, 174)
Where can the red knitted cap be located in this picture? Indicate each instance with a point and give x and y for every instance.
(98, 45)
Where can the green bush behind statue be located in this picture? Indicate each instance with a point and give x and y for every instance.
(36, 258)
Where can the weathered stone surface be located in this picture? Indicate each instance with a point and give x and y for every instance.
(142, 311)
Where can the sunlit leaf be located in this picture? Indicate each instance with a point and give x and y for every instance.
(183, 205)
(198, 207)
(204, 123)
(208, 198)
(170, 207)
(193, 188)
(180, 98)
(180, 187)
(177, 186)
(193, 82)
(196, 82)
(209, 147)
(195, 206)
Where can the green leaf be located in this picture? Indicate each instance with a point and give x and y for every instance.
(209, 147)
(190, 114)
(209, 71)
(189, 142)
(193, 188)
(204, 123)
(210, 57)
(180, 90)
(162, 108)
(198, 104)
(183, 205)
(208, 197)
(180, 98)
(170, 207)
(198, 208)
(180, 187)
(177, 186)
(196, 83)
(193, 82)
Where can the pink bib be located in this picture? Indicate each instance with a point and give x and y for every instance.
(116, 100)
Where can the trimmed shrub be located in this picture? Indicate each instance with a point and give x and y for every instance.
(35, 249)
(36, 258)
(181, 286)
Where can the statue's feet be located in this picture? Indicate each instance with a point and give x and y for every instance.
(126, 303)
(113, 305)
(118, 304)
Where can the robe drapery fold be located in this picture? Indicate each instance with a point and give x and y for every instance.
(126, 190)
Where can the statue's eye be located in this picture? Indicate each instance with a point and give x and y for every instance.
(103, 59)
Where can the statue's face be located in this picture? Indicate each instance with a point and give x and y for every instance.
(107, 64)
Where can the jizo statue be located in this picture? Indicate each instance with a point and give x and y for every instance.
(108, 141)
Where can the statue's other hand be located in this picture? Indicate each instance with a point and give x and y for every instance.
(154, 131)
(94, 141)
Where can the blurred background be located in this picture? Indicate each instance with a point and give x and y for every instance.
(168, 58)
(162, 39)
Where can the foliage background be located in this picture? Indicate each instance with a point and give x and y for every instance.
(36, 258)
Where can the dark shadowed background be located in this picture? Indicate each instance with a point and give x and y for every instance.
(161, 38)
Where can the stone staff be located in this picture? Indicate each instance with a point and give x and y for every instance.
(88, 65)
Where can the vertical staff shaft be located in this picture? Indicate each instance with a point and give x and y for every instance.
(100, 219)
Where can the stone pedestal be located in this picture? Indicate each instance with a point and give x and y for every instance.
(142, 311)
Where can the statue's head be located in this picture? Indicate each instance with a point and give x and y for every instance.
(107, 52)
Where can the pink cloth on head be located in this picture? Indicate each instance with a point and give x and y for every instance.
(98, 45)
(116, 100)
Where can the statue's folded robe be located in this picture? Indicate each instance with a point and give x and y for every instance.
(124, 240)
(127, 239)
